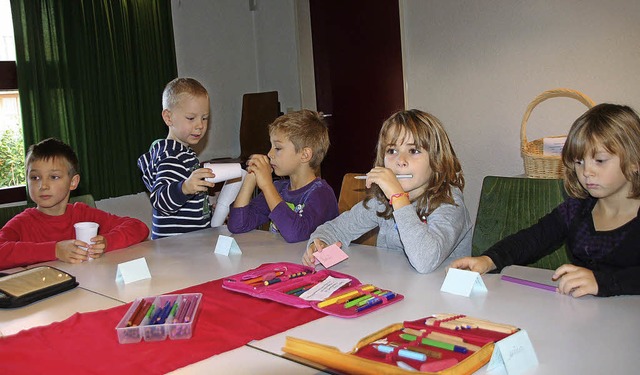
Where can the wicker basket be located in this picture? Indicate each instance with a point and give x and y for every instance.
(537, 165)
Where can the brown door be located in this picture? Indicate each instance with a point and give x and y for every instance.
(358, 71)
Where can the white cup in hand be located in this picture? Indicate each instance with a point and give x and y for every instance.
(85, 231)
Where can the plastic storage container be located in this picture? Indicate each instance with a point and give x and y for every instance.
(178, 324)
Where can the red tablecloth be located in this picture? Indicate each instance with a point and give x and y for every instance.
(87, 343)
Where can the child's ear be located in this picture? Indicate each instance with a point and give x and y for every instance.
(166, 116)
(306, 154)
(75, 180)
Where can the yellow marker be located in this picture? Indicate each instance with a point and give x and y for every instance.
(342, 297)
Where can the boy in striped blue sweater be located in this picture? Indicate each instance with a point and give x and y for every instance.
(171, 170)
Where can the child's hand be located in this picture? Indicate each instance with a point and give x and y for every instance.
(481, 264)
(576, 281)
(260, 166)
(308, 259)
(70, 251)
(97, 247)
(196, 182)
(386, 179)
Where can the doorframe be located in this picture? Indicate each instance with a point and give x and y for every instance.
(306, 71)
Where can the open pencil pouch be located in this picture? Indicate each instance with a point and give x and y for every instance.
(286, 282)
(420, 346)
(24, 287)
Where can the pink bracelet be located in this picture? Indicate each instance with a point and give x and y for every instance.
(397, 195)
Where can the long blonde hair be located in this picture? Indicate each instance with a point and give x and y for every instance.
(429, 135)
(614, 127)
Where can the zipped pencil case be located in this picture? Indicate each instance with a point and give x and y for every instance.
(292, 280)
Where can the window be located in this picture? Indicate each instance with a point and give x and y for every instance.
(12, 171)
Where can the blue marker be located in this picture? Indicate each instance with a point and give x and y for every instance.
(370, 303)
(402, 352)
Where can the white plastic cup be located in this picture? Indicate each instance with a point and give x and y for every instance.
(85, 231)
(223, 171)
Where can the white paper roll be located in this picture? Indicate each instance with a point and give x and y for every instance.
(223, 171)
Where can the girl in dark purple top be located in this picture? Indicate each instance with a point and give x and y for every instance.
(599, 222)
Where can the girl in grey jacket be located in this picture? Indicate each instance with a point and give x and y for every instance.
(414, 196)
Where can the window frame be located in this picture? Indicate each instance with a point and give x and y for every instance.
(9, 81)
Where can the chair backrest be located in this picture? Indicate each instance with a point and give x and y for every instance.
(353, 191)
(508, 204)
(258, 111)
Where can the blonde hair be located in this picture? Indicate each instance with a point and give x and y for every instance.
(616, 128)
(304, 128)
(179, 87)
(429, 135)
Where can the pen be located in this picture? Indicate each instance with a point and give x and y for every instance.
(429, 353)
(398, 176)
(370, 303)
(402, 352)
(344, 297)
(434, 343)
(188, 317)
(272, 281)
(135, 314)
(147, 317)
(356, 300)
(141, 314)
(183, 309)
(172, 314)
(162, 313)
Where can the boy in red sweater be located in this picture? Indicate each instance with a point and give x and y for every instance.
(46, 232)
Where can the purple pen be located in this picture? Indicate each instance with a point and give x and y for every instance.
(182, 310)
(528, 283)
(189, 316)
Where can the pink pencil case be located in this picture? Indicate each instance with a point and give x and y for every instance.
(295, 279)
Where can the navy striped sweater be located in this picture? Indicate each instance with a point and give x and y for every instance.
(164, 168)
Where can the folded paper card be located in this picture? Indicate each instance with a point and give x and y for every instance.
(513, 355)
(462, 282)
(133, 270)
(227, 245)
(330, 255)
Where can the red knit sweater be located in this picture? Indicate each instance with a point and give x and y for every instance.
(31, 236)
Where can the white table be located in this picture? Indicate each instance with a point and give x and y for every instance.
(53, 309)
(584, 335)
(180, 262)
(580, 336)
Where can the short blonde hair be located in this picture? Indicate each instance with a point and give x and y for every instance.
(616, 128)
(304, 128)
(178, 87)
(429, 135)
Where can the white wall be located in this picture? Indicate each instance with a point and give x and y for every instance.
(476, 65)
(233, 50)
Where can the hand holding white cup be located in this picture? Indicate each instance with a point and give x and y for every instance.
(85, 231)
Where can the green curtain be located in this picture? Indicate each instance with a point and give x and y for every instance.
(91, 73)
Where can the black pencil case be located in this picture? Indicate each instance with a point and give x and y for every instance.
(25, 287)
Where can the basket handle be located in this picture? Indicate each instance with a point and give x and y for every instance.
(555, 93)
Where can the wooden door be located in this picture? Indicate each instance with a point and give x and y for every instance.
(358, 75)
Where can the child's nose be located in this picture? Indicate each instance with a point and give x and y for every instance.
(401, 161)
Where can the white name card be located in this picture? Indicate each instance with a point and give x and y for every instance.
(462, 282)
(227, 245)
(133, 270)
(513, 355)
(552, 146)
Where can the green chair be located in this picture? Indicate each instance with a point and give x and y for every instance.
(7, 213)
(508, 204)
